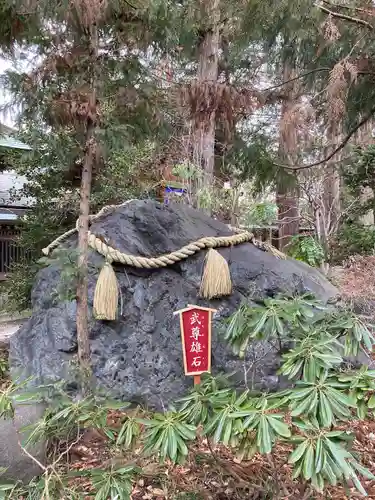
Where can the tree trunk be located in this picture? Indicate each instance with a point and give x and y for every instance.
(365, 196)
(364, 139)
(287, 194)
(287, 200)
(332, 180)
(83, 225)
(208, 75)
(83, 228)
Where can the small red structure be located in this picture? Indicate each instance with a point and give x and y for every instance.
(195, 324)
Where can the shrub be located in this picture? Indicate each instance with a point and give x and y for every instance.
(352, 239)
(307, 249)
(308, 416)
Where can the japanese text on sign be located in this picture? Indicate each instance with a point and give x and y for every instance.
(196, 332)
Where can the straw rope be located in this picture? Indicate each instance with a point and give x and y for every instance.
(113, 255)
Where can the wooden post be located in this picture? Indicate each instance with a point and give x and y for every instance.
(197, 379)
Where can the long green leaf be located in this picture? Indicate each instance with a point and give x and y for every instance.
(279, 427)
(308, 462)
(172, 444)
(298, 452)
(325, 411)
(303, 406)
(264, 437)
(220, 427)
(371, 402)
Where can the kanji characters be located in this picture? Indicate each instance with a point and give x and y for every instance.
(195, 333)
(196, 347)
(197, 361)
(194, 319)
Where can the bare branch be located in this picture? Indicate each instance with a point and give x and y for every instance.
(344, 16)
(302, 75)
(43, 467)
(336, 150)
(347, 7)
(130, 5)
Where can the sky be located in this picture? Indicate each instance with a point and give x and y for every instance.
(8, 180)
(8, 117)
(4, 118)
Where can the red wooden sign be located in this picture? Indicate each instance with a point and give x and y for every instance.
(195, 324)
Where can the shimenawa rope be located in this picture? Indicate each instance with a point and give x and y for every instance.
(215, 280)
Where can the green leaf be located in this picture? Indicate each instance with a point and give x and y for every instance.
(279, 325)
(334, 433)
(264, 437)
(298, 452)
(297, 470)
(310, 370)
(7, 487)
(362, 410)
(319, 456)
(371, 402)
(220, 427)
(308, 462)
(358, 484)
(182, 445)
(279, 427)
(172, 444)
(228, 432)
(362, 470)
(301, 393)
(326, 414)
(303, 406)
(260, 323)
(341, 397)
(188, 431)
(329, 471)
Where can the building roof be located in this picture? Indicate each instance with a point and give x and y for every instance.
(8, 141)
(11, 214)
(10, 181)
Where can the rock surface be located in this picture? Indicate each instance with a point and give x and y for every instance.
(12, 458)
(139, 356)
(7, 329)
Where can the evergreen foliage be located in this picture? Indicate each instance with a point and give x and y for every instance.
(323, 396)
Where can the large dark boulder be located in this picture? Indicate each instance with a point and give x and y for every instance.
(139, 356)
(17, 464)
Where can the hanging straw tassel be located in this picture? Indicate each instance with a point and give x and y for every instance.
(106, 294)
(216, 280)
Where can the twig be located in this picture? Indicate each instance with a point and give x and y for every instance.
(66, 452)
(356, 44)
(274, 470)
(344, 16)
(347, 7)
(302, 75)
(307, 495)
(130, 4)
(224, 465)
(43, 467)
(336, 150)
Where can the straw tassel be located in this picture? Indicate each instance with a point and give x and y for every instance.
(106, 294)
(216, 280)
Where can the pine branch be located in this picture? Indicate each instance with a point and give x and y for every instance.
(344, 16)
(130, 5)
(336, 150)
(302, 75)
(347, 7)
